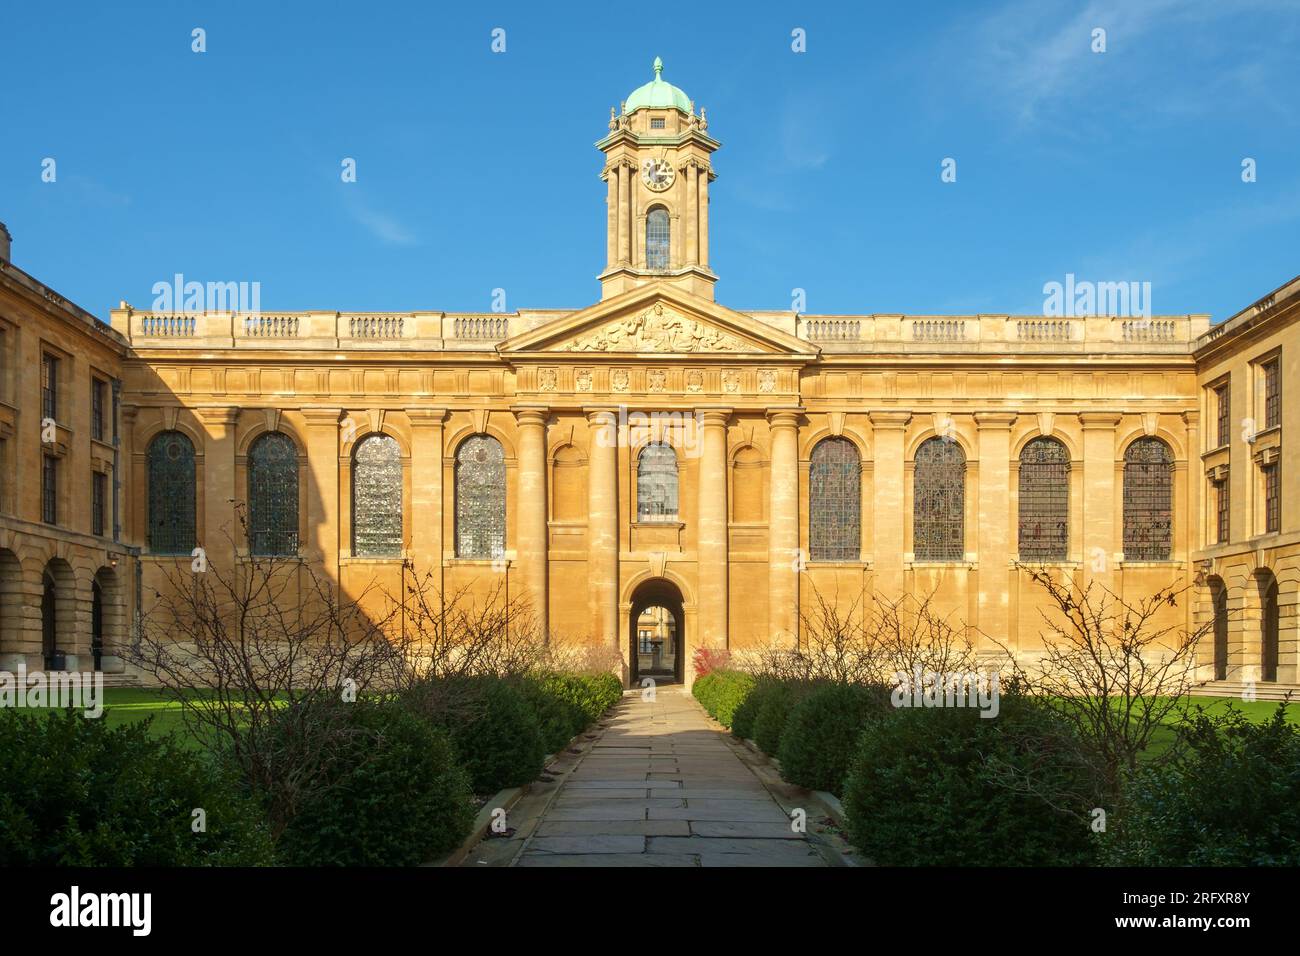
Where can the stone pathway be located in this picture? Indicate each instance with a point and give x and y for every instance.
(660, 786)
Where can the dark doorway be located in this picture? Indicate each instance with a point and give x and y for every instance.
(97, 625)
(49, 646)
(1268, 627)
(1219, 598)
(658, 633)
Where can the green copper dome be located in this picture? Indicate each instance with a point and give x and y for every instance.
(657, 95)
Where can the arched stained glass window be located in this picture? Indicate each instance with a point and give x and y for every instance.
(656, 483)
(273, 495)
(480, 498)
(835, 501)
(377, 497)
(171, 492)
(939, 501)
(656, 239)
(1148, 500)
(1044, 501)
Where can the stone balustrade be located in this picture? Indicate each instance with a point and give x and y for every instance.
(444, 331)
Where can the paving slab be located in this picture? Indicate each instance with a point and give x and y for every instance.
(661, 785)
(607, 859)
(614, 828)
(589, 843)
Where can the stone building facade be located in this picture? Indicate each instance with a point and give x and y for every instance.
(658, 449)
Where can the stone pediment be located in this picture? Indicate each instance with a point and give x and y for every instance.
(658, 329)
(660, 323)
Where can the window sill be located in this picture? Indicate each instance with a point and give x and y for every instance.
(451, 561)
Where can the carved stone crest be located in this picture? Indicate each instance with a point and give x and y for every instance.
(618, 380)
(731, 380)
(656, 379)
(583, 380)
(546, 380)
(657, 329)
(695, 380)
(767, 380)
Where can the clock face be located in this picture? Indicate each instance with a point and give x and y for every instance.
(657, 174)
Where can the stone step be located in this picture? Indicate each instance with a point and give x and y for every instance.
(1263, 690)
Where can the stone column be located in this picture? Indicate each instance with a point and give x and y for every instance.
(611, 210)
(129, 478)
(704, 217)
(1101, 507)
(531, 529)
(624, 229)
(783, 527)
(219, 526)
(322, 488)
(426, 509)
(602, 525)
(993, 526)
(711, 528)
(689, 173)
(1192, 537)
(888, 546)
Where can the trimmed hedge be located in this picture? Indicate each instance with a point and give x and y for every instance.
(74, 792)
(773, 710)
(558, 717)
(495, 732)
(593, 693)
(742, 721)
(822, 731)
(721, 692)
(394, 794)
(922, 789)
(566, 704)
(1231, 799)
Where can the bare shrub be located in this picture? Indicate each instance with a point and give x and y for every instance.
(1112, 671)
(870, 642)
(245, 649)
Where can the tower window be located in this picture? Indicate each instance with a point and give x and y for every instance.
(657, 122)
(656, 239)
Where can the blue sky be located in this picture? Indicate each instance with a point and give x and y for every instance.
(477, 170)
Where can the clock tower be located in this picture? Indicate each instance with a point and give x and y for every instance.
(657, 173)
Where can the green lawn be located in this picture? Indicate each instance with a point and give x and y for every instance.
(127, 704)
(1256, 711)
(123, 705)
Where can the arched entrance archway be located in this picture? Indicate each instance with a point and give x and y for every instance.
(658, 632)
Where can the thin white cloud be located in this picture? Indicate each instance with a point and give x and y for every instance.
(1034, 57)
(384, 227)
